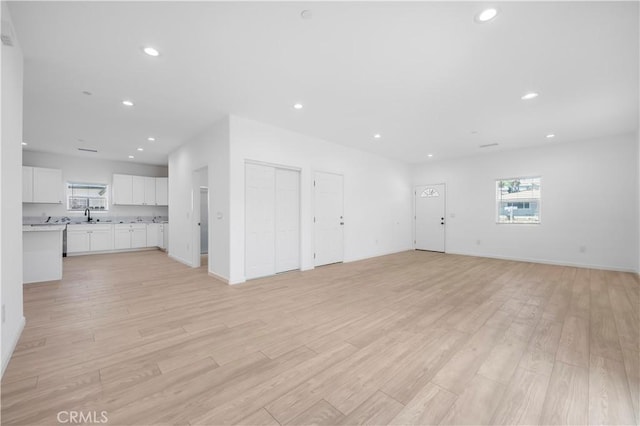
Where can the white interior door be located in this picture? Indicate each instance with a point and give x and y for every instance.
(259, 221)
(329, 218)
(287, 220)
(430, 217)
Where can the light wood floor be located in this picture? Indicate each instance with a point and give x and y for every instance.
(411, 338)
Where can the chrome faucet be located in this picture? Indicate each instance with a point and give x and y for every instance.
(87, 212)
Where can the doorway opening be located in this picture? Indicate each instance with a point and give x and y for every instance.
(200, 218)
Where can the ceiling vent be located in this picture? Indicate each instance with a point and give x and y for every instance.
(488, 145)
(87, 150)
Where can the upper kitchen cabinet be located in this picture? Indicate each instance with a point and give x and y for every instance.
(162, 191)
(122, 190)
(41, 185)
(150, 191)
(139, 190)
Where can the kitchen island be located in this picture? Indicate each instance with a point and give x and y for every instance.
(42, 253)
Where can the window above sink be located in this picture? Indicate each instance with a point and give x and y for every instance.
(94, 196)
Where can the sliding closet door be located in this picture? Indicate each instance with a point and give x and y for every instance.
(287, 220)
(259, 220)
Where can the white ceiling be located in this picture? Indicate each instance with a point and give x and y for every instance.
(423, 75)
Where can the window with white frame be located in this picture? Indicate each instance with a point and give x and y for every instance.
(518, 200)
(93, 196)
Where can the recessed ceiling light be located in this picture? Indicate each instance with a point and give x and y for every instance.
(529, 95)
(151, 139)
(486, 15)
(151, 51)
(306, 14)
(140, 149)
(429, 155)
(127, 102)
(24, 144)
(297, 106)
(86, 92)
(551, 136)
(131, 156)
(377, 136)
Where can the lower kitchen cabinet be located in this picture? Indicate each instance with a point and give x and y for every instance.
(99, 237)
(131, 235)
(153, 235)
(87, 238)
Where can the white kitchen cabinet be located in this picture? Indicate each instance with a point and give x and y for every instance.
(102, 239)
(47, 185)
(153, 234)
(41, 185)
(121, 237)
(149, 191)
(139, 236)
(162, 191)
(137, 190)
(122, 189)
(27, 184)
(131, 235)
(89, 237)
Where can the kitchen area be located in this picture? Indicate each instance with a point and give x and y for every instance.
(71, 211)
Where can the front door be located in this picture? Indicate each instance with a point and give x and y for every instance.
(430, 217)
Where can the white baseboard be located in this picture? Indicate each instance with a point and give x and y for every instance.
(547, 262)
(179, 259)
(14, 343)
(218, 277)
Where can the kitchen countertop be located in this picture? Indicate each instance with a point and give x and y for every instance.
(43, 228)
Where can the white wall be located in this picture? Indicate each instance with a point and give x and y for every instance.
(589, 198)
(87, 170)
(377, 191)
(11, 194)
(209, 149)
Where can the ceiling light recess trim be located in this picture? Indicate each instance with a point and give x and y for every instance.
(151, 51)
(487, 145)
(486, 15)
(529, 96)
(298, 106)
(127, 102)
(550, 136)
